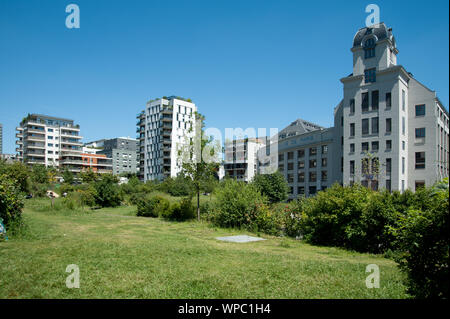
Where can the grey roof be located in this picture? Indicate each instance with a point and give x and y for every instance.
(298, 127)
(381, 31)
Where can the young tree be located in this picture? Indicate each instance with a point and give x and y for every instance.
(199, 157)
(68, 177)
(274, 186)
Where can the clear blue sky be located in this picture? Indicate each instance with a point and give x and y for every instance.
(245, 63)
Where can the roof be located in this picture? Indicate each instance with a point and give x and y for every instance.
(380, 31)
(298, 127)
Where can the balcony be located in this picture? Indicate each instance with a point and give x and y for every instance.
(19, 135)
(35, 138)
(70, 161)
(67, 142)
(33, 130)
(70, 135)
(167, 110)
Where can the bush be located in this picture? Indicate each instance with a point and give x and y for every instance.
(153, 206)
(17, 172)
(39, 190)
(352, 217)
(291, 217)
(236, 203)
(274, 186)
(423, 238)
(107, 192)
(178, 186)
(11, 201)
(181, 211)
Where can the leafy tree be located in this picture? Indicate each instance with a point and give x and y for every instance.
(68, 176)
(18, 172)
(11, 200)
(199, 157)
(39, 174)
(107, 191)
(88, 176)
(274, 186)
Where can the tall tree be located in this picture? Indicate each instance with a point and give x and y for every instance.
(199, 157)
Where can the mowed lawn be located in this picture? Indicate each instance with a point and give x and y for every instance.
(123, 256)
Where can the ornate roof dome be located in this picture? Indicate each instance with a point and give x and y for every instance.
(380, 31)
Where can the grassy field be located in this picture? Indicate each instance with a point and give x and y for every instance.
(123, 256)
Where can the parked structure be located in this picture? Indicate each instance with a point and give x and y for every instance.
(49, 141)
(163, 127)
(241, 158)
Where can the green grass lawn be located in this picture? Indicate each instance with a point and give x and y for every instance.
(123, 256)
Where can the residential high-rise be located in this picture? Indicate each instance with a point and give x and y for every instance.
(49, 141)
(241, 158)
(164, 126)
(392, 116)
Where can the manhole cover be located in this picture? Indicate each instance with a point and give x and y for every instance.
(240, 239)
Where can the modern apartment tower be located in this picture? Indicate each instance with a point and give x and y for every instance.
(123, 151)
(241, 158)
(163, 128)
(390, 115)
(49, 141)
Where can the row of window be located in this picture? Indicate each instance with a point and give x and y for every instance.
(301, 153)
(301, 164)
(312, 177)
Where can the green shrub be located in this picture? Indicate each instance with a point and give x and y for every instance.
(423, 239)
(178, 186)
(11, 201)
(39, 190)
(181, 211)
(65, 188)
(274, 186)
(152, 206)
(263, 219)
(17, 172)
(107, 192)
(235, 203)
(291, 217)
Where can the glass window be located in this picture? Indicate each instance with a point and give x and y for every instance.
(312, 176)
(375, 100)
(420, 110)
(352, 148)
(301, 190)
(420, 160)
(365, 127)
(388, 125)
(324, 176)
(352, 167)
(290, 155)
(388, 145)
(420, 132)
(324, 162)
(370, 75)
(301, 164)
(374, 125)
(388, 165)
(290, 166)
(352, 129)
(369, 48)
(365, 147)
(403, 100)
(375, 146)
(324, 149)
(301, 177)
(352, 106)
(312, 163)
(403, 126)
(313, 151)
(365, 101)
(300, 153)
(388, 100)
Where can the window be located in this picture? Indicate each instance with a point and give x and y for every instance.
(370, 75)
(403, 145)
(365, 147)
(375, 100)
(324, 176)
(352, 106)
(388, 100)
(365, 127)
(374, 125)
(403, 126)
(352, 129)
(388, 125)
(300, 153)
(352, 167)
(290, 178)
(420, 160)
(388, 145)
(324, 149)
(50, 137)
(301, 190)
(388, 185)
(301, 177)
(403, 165)
(50, 144)
(375, 146)
(352, 148)
(420, 110)
(312, 163)
(420, 132)
(50, 130)
(403, 100)
(281, 157)
(365, 101)
(312, 190)
(301, 164)
(419, 184)
(313, 151)
(290, 166)
(388, 166)
(290, 155)
(369, 48)
(324, 162)
(312, 176)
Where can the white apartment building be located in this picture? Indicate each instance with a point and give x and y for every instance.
(164, 127)
(49, 141)
(390, 131)
(241, 158)
(388, 113)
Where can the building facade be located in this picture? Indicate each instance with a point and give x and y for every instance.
(390, 131)
(123, 151)
(163, 128)
(97, 163)
(241, 158)
(396, 131)
(49, 141)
